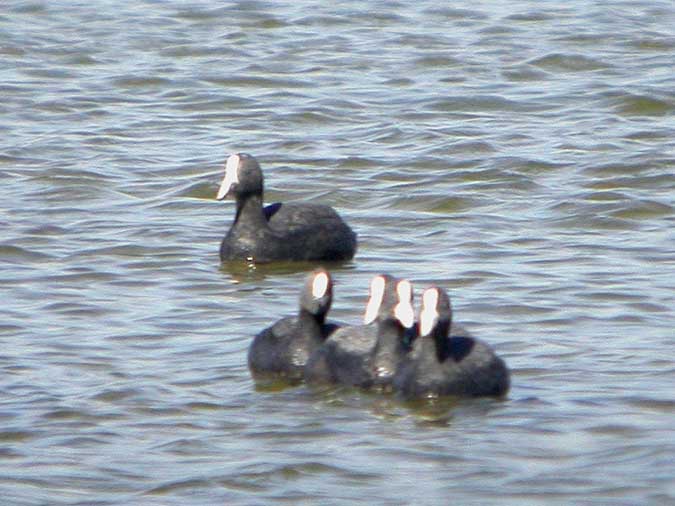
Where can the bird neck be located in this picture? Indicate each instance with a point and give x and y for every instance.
(440, 336)
(311, 323)
(250, 210)
(389, 339)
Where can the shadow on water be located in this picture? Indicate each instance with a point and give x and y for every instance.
(440, 411)
(432, 412)
(248, 272)
(271, 385)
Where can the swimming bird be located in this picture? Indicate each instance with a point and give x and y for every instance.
(368, 355)
(298, 231)
(282, 349)
(443, 365)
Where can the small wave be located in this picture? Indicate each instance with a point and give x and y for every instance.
(642, 105)
(17, 254)
(644, 209)
(481, 103)
(559, 62)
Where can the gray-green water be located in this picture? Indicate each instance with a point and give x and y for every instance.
(520, 154)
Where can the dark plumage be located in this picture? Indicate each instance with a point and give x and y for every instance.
(283, 349)
(367, 355)
(439, 365)
(278, 231)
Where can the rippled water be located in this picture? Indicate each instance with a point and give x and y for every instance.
(520, 154)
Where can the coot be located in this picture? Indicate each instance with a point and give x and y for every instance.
(278, 231)
(368, 355)
(440, 365)
(283, 349)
